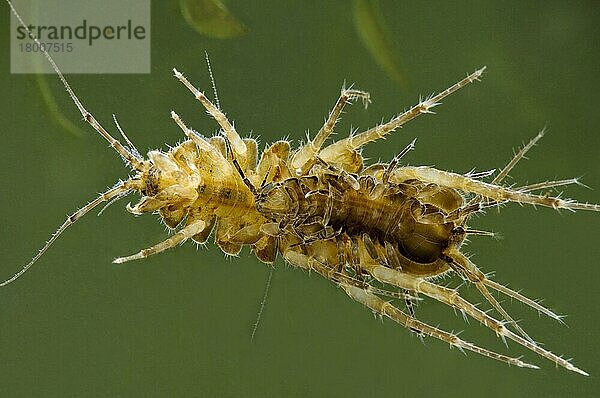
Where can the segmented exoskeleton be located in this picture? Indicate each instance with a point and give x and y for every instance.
(379, 232)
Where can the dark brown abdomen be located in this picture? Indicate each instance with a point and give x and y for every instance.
(392, 219)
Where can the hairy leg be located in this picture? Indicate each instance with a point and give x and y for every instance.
(238, 145)
(452, 298)
(489, 191)
(305, 156)
(344, 151)
(179, 237)
(387, 309)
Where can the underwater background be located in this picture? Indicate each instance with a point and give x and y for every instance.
(179, 323)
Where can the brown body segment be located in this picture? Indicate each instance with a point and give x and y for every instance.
(396, 224)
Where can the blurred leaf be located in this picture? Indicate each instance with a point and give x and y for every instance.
(47, 95)
(211, 18)
(55, 111)
(372, 30)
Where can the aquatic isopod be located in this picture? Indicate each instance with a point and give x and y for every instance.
(381, 232)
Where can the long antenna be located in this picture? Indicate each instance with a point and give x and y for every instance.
(130, 158)
(212, 80)
(262, 305)
(117, 191)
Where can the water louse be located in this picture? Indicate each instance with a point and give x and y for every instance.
(381, 232)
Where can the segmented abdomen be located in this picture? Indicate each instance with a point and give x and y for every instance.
(405, 225)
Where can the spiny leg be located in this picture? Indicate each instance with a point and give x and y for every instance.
(549, 184)
(518, 156)
(181, 236)
(305, 154)
(523, 189)
(490, 191)
(118, 191)
(394, 163)
(410, 307)
(476, 204)
(383, 307)
(296, 257)
(353, 143)
(419, 285)
(346, 97)
(470, 270)
(507, 169)
(453, 299)
(523, 299)
(237, 143)
(480, 175)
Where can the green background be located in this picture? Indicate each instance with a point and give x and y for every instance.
(179, 324)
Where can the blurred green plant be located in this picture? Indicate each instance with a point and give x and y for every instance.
(372, 30)
(47, 96)
(53, 108)
(208, 17)
(211, 18)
